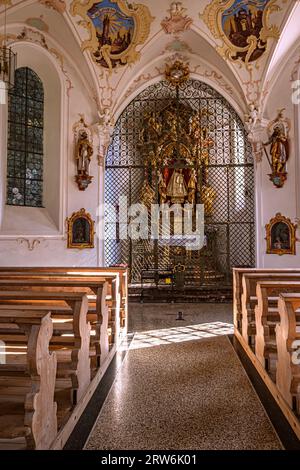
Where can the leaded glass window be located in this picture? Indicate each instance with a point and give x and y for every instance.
(25, 140)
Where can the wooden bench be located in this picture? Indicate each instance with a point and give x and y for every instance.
(288, 363)
(27, 407)
(117, 288)
(52, 280)
(249, 299)
(98, 307)
(268, 317)
(72, 345)
(116, 276)
(237, 288)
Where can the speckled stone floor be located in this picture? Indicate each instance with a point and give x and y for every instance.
(182, 386)
(151, 316)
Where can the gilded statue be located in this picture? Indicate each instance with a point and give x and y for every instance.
(152, 128)
(177, 189)
(192, 186)
(208, 196)
(279, 150)
(162, 188)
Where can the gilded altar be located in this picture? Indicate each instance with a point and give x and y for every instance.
(175, 144)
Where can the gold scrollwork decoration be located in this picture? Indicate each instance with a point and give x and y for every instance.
(281, 236)
(244, 27)
(81, 230)
(177, 73)
(115, 27)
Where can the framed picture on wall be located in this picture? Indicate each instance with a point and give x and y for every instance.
(80, 230)
(281, 236)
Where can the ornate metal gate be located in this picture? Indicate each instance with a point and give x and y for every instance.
(176, 145)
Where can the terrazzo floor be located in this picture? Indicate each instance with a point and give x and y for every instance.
(153, 316)
(181, 386)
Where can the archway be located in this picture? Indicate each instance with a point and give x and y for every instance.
(163, 121)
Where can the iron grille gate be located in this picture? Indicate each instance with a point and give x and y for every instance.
(225, 181)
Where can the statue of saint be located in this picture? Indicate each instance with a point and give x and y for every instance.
(192, 185)
(162, 189)
(177, 189)
(279, 150)
(84, 152)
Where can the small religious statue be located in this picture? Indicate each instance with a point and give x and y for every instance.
(208, 196)
(162, 189)
(177, 189)
(192, 186)
(152, 128)
(83, 153)
(279, 149)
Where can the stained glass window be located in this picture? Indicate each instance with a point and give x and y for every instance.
(25, 140)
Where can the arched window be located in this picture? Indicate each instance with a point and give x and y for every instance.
(25, 140)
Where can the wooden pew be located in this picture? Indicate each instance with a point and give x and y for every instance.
(113, 297)
(116, 276)
(123, 273)
(237, 288)
(267, 318)
(249, 299)
(118, 290)
(27, 407)
(98, 308)
(288, 364)
(73, 346)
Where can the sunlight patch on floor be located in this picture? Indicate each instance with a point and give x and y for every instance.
(179, 334)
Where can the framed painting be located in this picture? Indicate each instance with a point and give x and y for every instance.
(243, 26)
(116, 28)
(281, 236)
(80, 230)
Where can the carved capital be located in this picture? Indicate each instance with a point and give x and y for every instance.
(105, 129)
(256, 134)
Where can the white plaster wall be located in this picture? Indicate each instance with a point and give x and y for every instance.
(34, 236)
(38, 236)
(271, 200)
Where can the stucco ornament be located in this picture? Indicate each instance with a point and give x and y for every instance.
(115, 28)
(255, 128)
(57, 5)
(105, 128)
(242, 26)
(177, 22)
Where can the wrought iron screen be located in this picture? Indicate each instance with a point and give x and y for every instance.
(25, 140)
(225, 183)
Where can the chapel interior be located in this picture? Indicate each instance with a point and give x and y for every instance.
(149, 225)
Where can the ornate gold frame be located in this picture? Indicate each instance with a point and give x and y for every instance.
(212, 16)
(292, 231)
(142, 19)
(82, 214)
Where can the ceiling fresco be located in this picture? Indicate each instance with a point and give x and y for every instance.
(116, 29)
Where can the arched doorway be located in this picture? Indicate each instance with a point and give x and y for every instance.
(154, 139)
